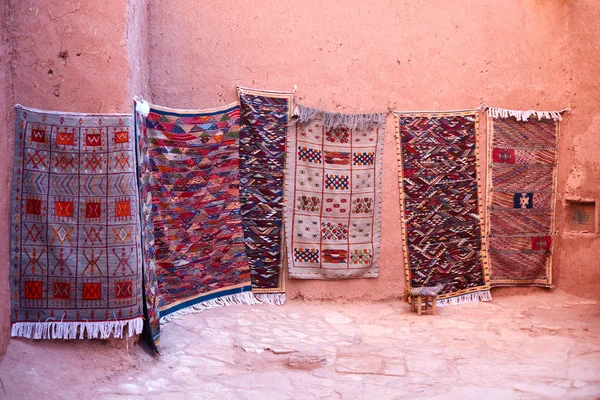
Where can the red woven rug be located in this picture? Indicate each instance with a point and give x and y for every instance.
(521, 199)
(442, 214)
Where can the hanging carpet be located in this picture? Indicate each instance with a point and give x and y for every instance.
(440, 204)
(190, 186)
(75, 266)
(333, 194)
(522, 195)
(263, 130)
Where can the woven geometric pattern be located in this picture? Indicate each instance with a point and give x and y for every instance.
(150, 281)
(263, 130)
(333, 213)
(75, 253)
(191, 185)
(521, 200)
(441, 211)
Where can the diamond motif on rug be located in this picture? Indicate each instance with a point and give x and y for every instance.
(263, 132)
(193, 239)
(441, 213)
(62, 287)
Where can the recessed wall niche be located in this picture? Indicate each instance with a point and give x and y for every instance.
(582, 213)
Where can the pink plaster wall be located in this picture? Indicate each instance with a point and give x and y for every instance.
(70, 55)
(137, 47)
(356, 56)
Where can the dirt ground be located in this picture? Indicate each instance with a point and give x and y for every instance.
(538, 346)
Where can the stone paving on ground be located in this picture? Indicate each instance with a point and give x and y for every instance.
(537, 346)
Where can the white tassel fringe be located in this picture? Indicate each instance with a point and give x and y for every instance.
(474, 297)
(522, 115)
(225, 301)
(79, 329)
(142, 107)
(332, 120)
(272, 299)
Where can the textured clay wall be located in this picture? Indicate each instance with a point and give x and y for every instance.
(6, 133)
(578, 256)
(70, 55)
(67, 55)
(356, 56)
(137, 46)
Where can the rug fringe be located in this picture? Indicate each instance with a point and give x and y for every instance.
(272, 299)
(225, 301)
(484, 295)
(332, 120)
(142, 107)
(78, 329)
(523, 115)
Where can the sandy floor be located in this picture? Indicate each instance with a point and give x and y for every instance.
(543, 345)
